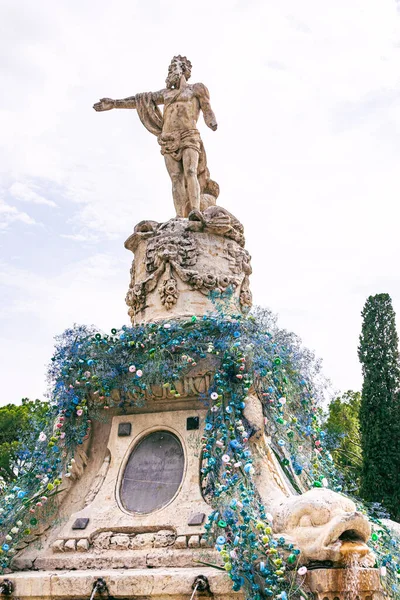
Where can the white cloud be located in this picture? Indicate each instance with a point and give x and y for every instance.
(85, 237)
(9, 215)
(25, 193)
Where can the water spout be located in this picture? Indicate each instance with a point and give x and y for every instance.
(352, 544)
(352, 576)
(99, 586)
(6, 587)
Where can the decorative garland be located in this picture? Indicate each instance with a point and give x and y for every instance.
(91, 372)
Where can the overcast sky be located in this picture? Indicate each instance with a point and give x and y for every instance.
(307, 97)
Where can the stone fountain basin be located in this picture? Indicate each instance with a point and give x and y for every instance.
(330, 584)
(157, 584)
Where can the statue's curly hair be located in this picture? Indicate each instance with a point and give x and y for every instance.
(186, 65)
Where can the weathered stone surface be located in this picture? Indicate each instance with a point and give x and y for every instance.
(181, 542)
(142, 540)
(194, 541)
(169, 556)
(164, 538)
(98, 480)
(204, 543)
(182, 266)
(331, 583)
(83, 545)
(162, 584)
(58, 546)
(102, 540)
(316, 520)
(185, 558)
(70, 546)
(120, 541)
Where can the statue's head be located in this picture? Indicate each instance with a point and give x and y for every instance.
(179, 66)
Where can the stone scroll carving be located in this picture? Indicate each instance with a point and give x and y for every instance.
(203, 254)
(98, 480)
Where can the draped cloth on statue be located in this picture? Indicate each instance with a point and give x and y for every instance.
(175, 142)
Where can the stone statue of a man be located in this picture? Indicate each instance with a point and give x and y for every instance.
(177, 134)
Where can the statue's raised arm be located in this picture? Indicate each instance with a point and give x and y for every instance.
(177, 133)
(130, 102)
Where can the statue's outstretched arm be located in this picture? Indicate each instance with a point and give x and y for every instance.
(130, 102)
(203, 95)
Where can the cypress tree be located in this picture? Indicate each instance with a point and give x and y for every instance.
(380, 405)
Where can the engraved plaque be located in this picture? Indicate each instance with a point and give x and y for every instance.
(153, 472)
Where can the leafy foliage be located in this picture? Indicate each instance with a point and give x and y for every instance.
(16, 423)
(342, 430)
(380, 404)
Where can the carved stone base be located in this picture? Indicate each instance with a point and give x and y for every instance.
(331, 584)
(157, 584)
(185, 266)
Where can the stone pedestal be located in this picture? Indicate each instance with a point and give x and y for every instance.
(188, 267)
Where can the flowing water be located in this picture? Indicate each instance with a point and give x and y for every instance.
(352, 576)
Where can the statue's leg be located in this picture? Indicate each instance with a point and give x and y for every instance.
(190, 159)
(175, 170)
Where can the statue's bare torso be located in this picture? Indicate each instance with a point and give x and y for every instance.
(181, 108)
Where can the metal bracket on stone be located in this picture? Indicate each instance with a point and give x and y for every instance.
(80, 523)
(6, 587)
(192, 423)
(124, 429)
(100, 587)
(201, 584)
(197, 519)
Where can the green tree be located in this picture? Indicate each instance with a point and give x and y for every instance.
(342, 430)
(380, 404)
(17, 423)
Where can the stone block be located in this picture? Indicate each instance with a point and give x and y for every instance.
(194, 541)
(58, 546)
(163, 538)
(181, 541)
(83, 545)
(142, 540)
(102, 541)
(120, 541)
(70, 546)
(204, 543)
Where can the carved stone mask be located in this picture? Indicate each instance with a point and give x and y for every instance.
(319, 523)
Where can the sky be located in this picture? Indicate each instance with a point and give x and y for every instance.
(307, 98)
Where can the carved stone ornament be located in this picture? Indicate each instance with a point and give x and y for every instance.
(203, 254)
